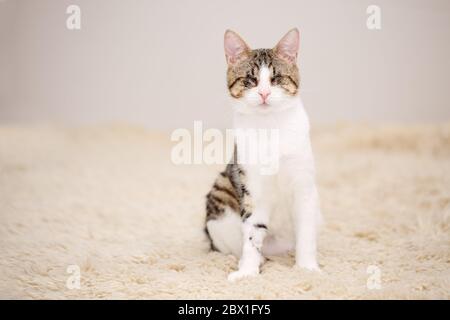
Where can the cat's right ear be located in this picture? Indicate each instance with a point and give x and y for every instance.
(236, 49)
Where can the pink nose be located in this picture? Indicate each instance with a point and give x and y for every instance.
(264, 94)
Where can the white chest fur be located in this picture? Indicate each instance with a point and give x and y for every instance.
(291, 122)
(293, 155)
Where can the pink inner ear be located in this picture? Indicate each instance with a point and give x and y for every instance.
(234, 47)
(287, 48)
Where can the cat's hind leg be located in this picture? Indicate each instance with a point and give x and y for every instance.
(223, 221)
(225, 232)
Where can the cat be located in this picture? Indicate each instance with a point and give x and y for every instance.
(264, 88)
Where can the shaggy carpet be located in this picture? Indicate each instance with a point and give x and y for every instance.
(105, 205)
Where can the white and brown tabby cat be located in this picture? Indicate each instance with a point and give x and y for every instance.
(249, 214)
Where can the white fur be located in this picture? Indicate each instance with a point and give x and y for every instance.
(226, 233)
(293, 185)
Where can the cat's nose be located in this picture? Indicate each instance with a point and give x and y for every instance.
(264, 94)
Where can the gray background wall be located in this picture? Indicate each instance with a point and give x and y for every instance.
(160, 63)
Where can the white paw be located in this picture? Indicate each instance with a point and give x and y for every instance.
(237, 275)
(309, 265)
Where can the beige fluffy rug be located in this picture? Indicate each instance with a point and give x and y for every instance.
(109, 200)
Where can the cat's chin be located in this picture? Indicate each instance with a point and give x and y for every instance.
(244, 108)
(266, 108)
(253, 109)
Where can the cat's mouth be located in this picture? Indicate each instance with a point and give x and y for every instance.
(264, 105)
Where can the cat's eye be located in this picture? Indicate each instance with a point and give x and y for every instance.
(276, 79)
(250, 82)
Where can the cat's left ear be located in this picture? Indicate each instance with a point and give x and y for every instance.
(287, 48)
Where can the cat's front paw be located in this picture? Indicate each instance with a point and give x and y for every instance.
(242, 273)
(308, 265)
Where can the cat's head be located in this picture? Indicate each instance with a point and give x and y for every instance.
(262, 80)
